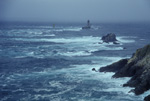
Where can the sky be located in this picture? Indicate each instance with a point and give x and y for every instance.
(75, 10)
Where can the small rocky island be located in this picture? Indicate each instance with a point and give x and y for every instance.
(109, 38)
(137, 67)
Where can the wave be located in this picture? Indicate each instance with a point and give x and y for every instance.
(126, 39)
(66, 29)
(63, 40)
(84, 72)
(74, 46)
(71, 54)
(142, 39)
(50, 35)
(78, 80)
(84, 41)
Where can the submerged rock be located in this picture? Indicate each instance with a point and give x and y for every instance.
(110, 38)
(137, 67)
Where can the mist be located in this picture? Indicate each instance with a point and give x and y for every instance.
(75, 10)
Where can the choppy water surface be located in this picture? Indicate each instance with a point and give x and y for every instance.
(54, 64)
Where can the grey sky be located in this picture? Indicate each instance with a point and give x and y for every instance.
(75, 10)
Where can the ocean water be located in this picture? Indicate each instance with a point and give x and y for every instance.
(41, 63)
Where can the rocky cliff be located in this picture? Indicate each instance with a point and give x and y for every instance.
(137, 67)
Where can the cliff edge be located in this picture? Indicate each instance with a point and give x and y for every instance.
(137, 67)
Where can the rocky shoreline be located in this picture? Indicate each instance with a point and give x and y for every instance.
(137, 67)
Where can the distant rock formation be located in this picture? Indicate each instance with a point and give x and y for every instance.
(137, 67)
(110, 38)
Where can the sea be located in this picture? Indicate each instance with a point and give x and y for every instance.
(47, 63)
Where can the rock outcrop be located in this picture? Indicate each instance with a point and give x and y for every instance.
(137, 67)
(147, 98)
(109, 38)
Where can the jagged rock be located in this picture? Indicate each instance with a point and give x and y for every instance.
(114, 67)
(110, 38)
(137, 67)
(147, 98)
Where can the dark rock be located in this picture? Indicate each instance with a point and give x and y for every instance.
(109, 38)
(137, 67)
(131, 91)
(114, 67)
(93, 69)
(147, 98)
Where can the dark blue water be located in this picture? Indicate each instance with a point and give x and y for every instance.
(54, 64)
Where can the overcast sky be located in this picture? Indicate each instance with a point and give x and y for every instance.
(75, 10)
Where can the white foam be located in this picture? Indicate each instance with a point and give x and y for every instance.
(142, 39)
(81, 73)
(20, 56)
(144, 94)
(43, 89)
(67, 29)
(74, 46)
(18, 90)
(64, 40)
(84, 72)
(96, 27)
(115, 84)
(130, 37)
(126, 39)
(72, 29)
(111, 48)
(55, 96)
(39, 33)
(86, 43)
(79, 53)
(49, 35)
(86, 69)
